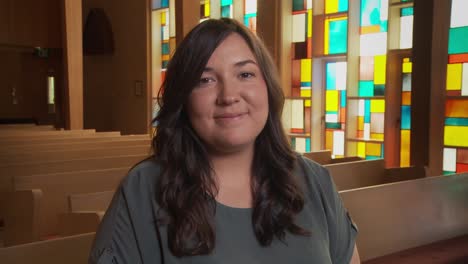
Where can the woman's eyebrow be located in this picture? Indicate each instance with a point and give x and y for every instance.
(244, 62)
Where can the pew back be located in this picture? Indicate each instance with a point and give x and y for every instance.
(403, 215)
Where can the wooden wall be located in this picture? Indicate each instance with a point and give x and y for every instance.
(110, 99)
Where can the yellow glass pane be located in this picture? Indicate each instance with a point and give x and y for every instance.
(308, 103)
(379, 69)
(454, 73)
(456, 136)
(377, 106)
(360, 123)
(331, 6)
(329, 139)
(379, 136)
(405, 148)
(306, 70)
(361, 149)
(373, 149)
(407, 67)
(207, 8)
(163, 18)
(309, 23)
(306, 93)
(332, 101)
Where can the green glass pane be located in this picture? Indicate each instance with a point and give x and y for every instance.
(333, 125)
(338, 36)
(226, 11)
(379, 90)
(298, 5)
(458, 40)
(366, 88)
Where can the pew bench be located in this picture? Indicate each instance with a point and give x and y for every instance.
(324, 157)
(403, 215)
(70, 250)
(357, 174)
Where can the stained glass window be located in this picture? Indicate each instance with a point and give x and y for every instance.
(250, 14)
(335, 6)
(226, 8)
(456, 108)
(336, 35)
(405, 126)
(301, 84)
(335, 107)
(158, 4)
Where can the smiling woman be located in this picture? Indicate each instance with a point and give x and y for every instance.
(224, 185)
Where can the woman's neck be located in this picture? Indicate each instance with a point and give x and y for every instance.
(233, 174)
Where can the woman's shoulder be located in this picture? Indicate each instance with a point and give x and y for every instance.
(143, 174)
(316, 176)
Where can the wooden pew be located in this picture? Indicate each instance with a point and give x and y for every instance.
(25, 127)
(85, 212)
(325, 157)
(57, 187)
(70, 250)
(29, 140)
(356, 174)
(20, 211)
(76, 146)
(403, 215)
(14, 134)
(54, 155)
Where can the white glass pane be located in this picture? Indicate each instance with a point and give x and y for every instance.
(450, 159)
(297, 119)
(459, 17)
(373, 44)
(361, 107)
(301, 145)
(407, 82)
(366, 131)
(465, 80)
(338, 142)
(383, 10)
(340, 75)
(331, 118)
(309, 4)
(406, 32)
(287, 114)
(377, 123)
(299, 23)
(250, 6)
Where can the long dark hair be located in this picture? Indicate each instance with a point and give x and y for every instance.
(186, 190)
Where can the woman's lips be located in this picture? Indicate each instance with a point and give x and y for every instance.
(229, 118)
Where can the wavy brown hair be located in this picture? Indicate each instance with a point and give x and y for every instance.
(186, 190)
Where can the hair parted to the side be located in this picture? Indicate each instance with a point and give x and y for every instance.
(186, 190)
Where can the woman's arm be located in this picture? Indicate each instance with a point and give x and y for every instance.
(355, 258)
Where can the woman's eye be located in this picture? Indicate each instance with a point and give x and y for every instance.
(246, 75)
(205, 80)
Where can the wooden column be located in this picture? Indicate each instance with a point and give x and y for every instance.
(187, 17)
(274, 24)
(73, 63)
(430, 43)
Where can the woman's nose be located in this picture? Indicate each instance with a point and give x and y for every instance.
(228, 93)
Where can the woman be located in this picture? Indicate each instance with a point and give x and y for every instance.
(223, 185)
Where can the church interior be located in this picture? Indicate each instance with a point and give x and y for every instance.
(375, 90)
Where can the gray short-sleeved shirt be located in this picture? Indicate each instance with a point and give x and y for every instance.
(127, 233)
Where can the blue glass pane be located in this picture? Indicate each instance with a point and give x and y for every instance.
(331, 76)
(165, 48)
(367, 111)
(343, 98)
(308, 145)
(456, 121)
(379, 90)
(226, 11)
(338, 36)
(226, 2)
(407, 11)
(405, 117)
(157, 4)
(370, 12)
(343, 6)
(366, 88)
(372, 157)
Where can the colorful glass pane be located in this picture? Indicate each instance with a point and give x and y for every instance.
(158, 4)
(405, 127)
(204, 9)
(250, 14)
(336, 35)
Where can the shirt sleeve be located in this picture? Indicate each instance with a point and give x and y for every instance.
(115, 240)
(342, 231)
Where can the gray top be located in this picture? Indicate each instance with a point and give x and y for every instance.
(127, 233)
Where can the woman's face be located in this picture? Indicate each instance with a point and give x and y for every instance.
(229, 107)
